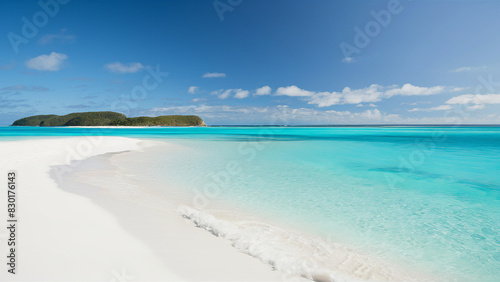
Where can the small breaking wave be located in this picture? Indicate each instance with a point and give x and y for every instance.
(298, 255)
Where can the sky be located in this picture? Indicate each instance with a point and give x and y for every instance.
(250, 62)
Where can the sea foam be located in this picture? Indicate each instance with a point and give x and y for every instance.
(298, 255)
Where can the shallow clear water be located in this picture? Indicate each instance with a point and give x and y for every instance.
(423, 196)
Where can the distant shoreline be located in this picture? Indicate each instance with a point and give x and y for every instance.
(86, 119)
(365, 125)
(280, 125)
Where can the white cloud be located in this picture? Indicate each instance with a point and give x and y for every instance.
(416, 103)
(61, 37)
(411, 90)
(325, 99)
(476, 107)
(281, 114)
(196, 100)
(348, 60)
(347, 96)
(264, 90)
(476, 99)
(124, 68)
(373, 93)
(240, 94)
(369, 105)
(222, 110)
(370, 95)
(462, 69)
(293, 91)
(224, 94)
(52, 62)
(193, 89)
(472, 101)
(371, 114)
(363, 95)
(214, 74)
(221, 93)
(456, 89)
(438, 108)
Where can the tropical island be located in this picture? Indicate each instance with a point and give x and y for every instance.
(108, 119)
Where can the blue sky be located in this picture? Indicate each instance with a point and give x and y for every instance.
(254, 62)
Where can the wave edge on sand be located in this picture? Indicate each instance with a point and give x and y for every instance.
(298, 255)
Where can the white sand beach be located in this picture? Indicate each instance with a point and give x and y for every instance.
(65, 236)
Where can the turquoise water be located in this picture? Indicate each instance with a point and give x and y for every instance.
(428, 197)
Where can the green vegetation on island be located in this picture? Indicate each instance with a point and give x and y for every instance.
(107, 119)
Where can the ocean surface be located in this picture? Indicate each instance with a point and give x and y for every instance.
(426, 199)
